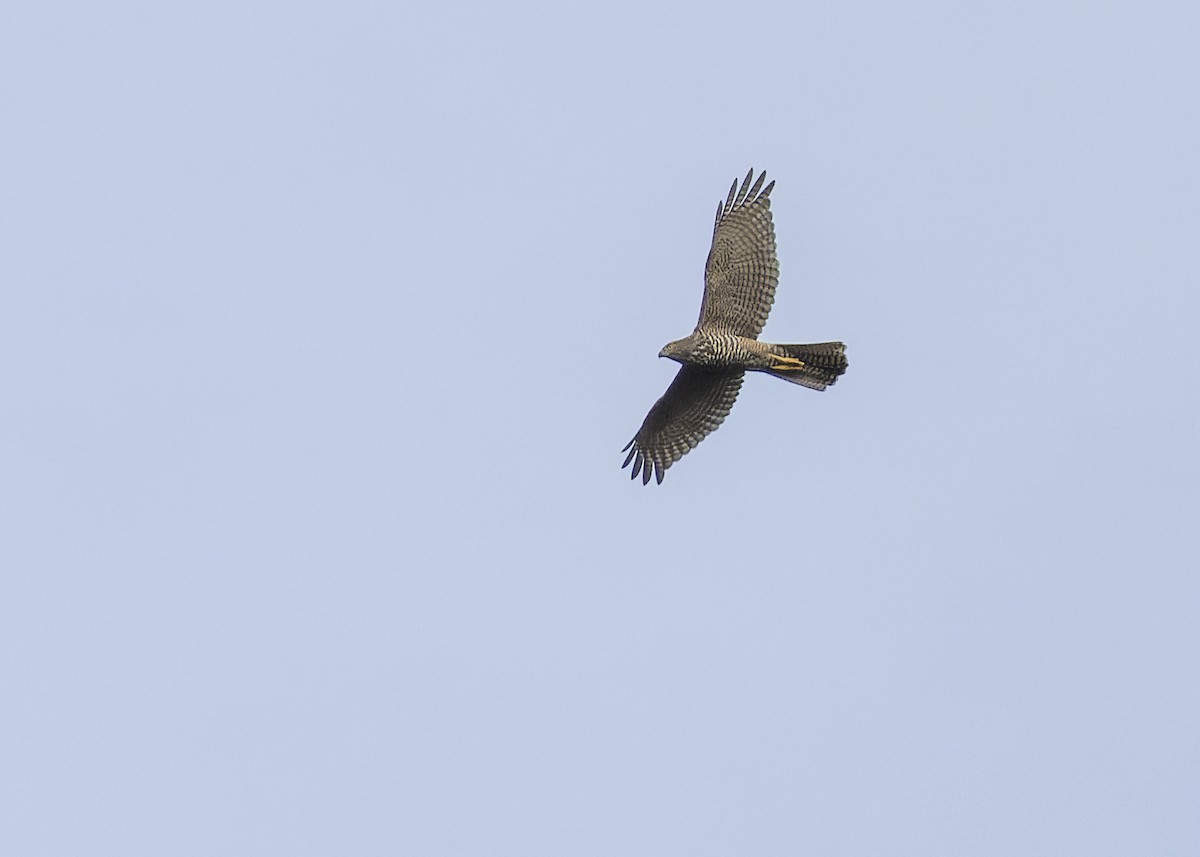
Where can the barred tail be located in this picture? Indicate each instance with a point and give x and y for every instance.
(816, 366)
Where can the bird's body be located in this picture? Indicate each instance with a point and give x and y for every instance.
(739, 288)
(717, 350)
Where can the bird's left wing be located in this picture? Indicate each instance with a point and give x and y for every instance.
(742, 270)
(695, 404)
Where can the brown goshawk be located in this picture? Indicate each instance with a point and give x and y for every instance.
(739, 288)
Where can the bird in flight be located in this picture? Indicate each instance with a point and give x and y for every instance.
(739, 288)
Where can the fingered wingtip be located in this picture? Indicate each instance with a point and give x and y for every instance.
(643, 465)
(749, 191)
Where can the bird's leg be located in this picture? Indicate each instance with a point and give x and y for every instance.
(786, 364)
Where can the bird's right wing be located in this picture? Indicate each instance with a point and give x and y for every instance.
(697, 401)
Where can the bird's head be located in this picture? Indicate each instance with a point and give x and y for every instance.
(685, 350)
(674, 350)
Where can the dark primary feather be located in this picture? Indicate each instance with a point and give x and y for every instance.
(697, 401)
(742, 270)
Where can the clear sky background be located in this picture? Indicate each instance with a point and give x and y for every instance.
(321, 326)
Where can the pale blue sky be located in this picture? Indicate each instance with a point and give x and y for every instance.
(315, 540)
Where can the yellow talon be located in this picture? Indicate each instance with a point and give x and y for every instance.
(787, 363)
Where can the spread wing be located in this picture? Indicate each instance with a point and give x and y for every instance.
(742, 270)
(697, 401)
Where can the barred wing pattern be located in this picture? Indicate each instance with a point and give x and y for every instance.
(697, 401)
(742, 271)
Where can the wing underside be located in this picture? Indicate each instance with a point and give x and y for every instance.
(742, 270)
(695, 404)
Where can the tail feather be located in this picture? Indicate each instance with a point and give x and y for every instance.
(816, 366)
